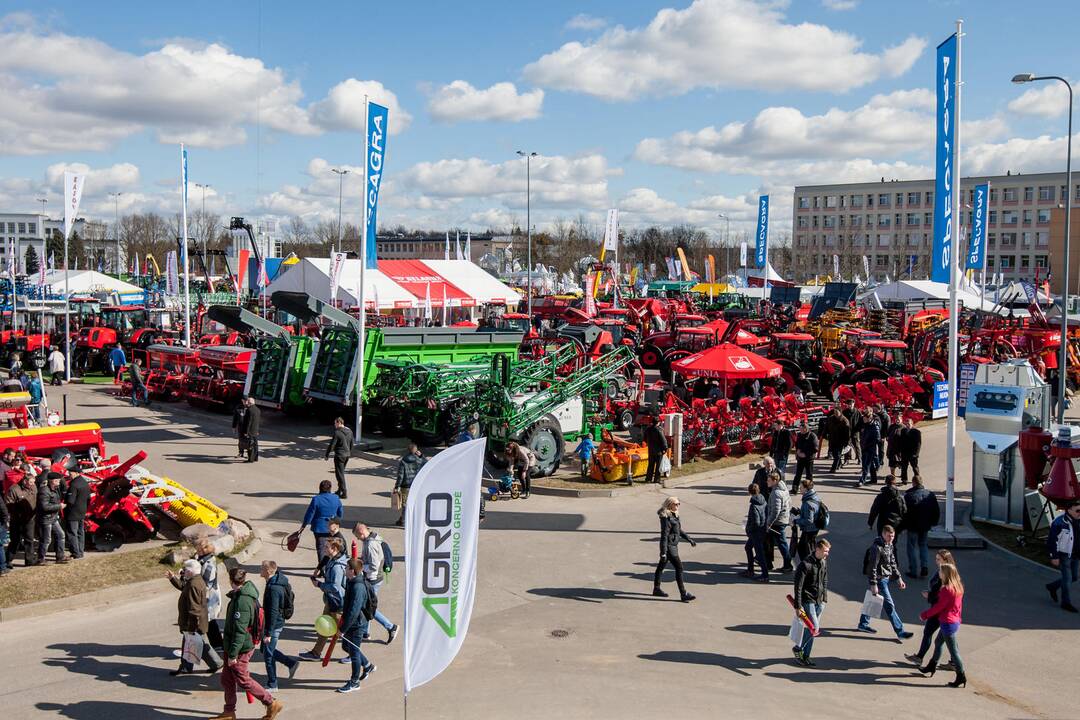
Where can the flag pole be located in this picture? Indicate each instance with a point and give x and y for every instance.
(954, 324)
(183, 250)
(362, 312)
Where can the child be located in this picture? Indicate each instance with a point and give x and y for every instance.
(585, 450)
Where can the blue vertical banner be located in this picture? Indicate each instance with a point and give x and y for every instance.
(184, 172)
(376, 149)
(761, 249)
(945, 122)
(976, 259)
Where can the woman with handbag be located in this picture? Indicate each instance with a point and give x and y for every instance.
(192, 619)
(207, 558)
(670, 533)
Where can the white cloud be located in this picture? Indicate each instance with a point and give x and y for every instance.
(65, 92)
(718, 44)
(840, 5)
(459, 101)
(1051, 101)
(585, 22)
(1018, 155)
(116, 178)
(343, 108)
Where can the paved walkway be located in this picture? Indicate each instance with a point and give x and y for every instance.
(550, 564)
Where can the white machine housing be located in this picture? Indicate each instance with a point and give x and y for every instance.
(1005, 399)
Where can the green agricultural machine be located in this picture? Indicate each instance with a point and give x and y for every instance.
(545, 416)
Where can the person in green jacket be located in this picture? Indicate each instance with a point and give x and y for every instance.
(241, 619)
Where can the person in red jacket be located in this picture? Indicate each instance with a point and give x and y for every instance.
(947, 610)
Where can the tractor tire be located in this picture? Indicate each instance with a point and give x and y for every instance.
(650, 357)
(624, 420)
(392, 422)
(545, 439)
(108, 537)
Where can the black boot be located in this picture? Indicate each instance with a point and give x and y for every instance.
(929, 670)
(658, 592)
(960, 681)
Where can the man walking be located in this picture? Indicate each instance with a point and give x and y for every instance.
(241, 619)
(869, 435)
(320, 510)
(880, 568)
(250, 429)
(854, 418)
(239, 414)
(889, 507)
(278, 601)
(1063, 542)
(657, 445)
(408, 466)
(138, 385)
(807, 522)
(811, 594)
(341, 448)
(778, 518)
(755, 534)
(57, 366)
(353, 625)
(839, 437)
(49, 504)
(333, 590)
(780, 446)
(922, 515)
(910, 447)
(192, 616)
(806, 446)
(77, 499)
(374, 560)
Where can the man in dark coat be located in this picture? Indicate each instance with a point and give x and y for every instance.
(780, 447)
(811, 593)
(49, 504)
(889, 507)
(756, 529)
(806, 444)
(341, 448)
(21, 499)
(910, 447)
(882, 418)
(854, 418)
(274, 602)
(250, 429)
(658, 445)
(922, 515)
(240, 618)
(192, 614)
(77, 498)
(354, 624)
(238, 422)
(869, 435)
(839, 437)
(5, 523)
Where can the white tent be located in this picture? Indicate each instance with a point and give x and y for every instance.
(473, 280)
(744, 273)
(312, 275)
(926, 290)
(83, 282)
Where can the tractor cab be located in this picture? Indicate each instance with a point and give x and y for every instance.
(124, 319)
(84, 311)
(798, 347)
(686, 320)
(889, 355)
(695, 338)
(512, 322)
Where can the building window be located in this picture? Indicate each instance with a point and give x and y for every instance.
(884, 240)
(1009, 217)
(830, 201)
(883, 200)
(1008, 262)
(899, 199)
(1009, 195)
(884, 221)
(913, 198)
(814, 221)
(31, 228)
(1025, 262)
(857, 201)
(1046, 193)
(989, 262)
(912, 219)
(991, 217)
(1027, 237)
(1043, 217)
(880, 261)
(1029, 194)
(1040, 261)
(1008, 240)
(1027, 217)
(991, 239)
(928, 219)
(817, 202)
(22, 227)
(829, 221)
(928, 198)
(804, 203)
(1042, 239)
(993, 195)
(802, 222)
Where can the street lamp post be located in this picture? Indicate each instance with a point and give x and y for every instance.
(116, 227)
(727, 238)
(341, 177)
(528, 216)
(1063, 358)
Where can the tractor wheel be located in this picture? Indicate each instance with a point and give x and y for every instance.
(133, 530)
(108, 537)
(545, 439)
(392, 422)
(624, 419)
(650, 357)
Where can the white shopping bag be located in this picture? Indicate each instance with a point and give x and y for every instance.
(665, 465)
(872, 605)
(795, 634)
(192, 649)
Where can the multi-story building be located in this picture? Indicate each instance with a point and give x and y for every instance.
(433, 247)
(891, 224)
(33, 229)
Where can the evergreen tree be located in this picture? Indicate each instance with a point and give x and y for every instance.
(32, 266)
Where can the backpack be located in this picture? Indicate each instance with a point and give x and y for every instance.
(371, 606)
(866, 561)
(255, 630)
(288, 603)
(821, 517)
(387, 557)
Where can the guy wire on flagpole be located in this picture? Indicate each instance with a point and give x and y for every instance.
(954, 264)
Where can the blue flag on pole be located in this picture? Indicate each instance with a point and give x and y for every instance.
(976, 259)
(376, 149)
(761, 249)
(945, 119)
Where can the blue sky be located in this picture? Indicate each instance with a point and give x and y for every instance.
(673, 113)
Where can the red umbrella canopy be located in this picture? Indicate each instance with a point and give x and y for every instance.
(726, 362)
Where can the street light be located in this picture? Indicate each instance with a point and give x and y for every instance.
(528, 220)
(727, 237)
(1063, 358)
(116, 227)
(341, 177)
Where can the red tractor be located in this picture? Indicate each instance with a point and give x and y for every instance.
(114, 325)
(656, 344)
(801, 357)
(217, 382)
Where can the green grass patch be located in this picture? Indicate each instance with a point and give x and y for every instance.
(97, 379)
(1017, 541)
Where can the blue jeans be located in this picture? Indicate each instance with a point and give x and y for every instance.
(136, 392)
(869, 466)
(814, 610)
(889, 608)
(781, 465)
(379, 617)
(1069, 568)
(780, 541)
(5, 564)
(917, 538)
(352, 641)
(272, 656)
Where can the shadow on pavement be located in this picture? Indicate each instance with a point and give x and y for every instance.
(595, 595)
(97, 709)
(86, 659)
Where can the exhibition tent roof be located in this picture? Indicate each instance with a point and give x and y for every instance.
(417, 278)
(81, 282)
(473, 280)
(312, 275)
(726, 362)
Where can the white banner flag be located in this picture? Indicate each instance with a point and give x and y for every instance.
(427, 301)
(611, 230)
(337, 262)
(446, 251)
(172, 277)
(73, 188)
(468, 245)
(441, 528)
(457, 246)
(836, 266)
(866, 265)
(742, 254)
(41, 268)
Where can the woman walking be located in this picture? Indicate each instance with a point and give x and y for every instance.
(947, 610)
(192, 618)
(204, 553)
(932, 593)
(670, 533)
